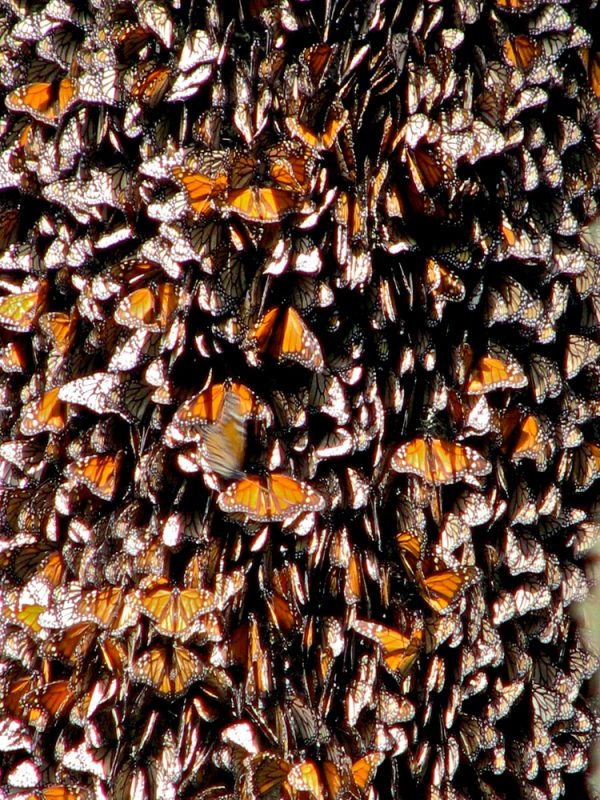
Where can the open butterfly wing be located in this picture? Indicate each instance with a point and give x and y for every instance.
(493, 373)
(275, 498)
(440, 586)
(264, 204)
(412, 457)
(294, 341)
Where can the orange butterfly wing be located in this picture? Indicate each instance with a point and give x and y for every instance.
(521, 51)
(60, 328)
(201, 189)
(262, 331)
(206, 407)
(451, 462)
(46, 414)
(492, 373)
(287, 337)
(411, 549)
(152, 86)
(268, 773)
(46, 102)
(294, 341)
(18, 312)
(169, 672)
(276, 498)
(262, 203)
(99, 473)
(399, 650)
(137, 309)
(365, 768)
(438, 461)
(173, 610)
(441, 586)
(412, 457)
(305, 778)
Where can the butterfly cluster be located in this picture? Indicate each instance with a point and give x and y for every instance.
(299, 398)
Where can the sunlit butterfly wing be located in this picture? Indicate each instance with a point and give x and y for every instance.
(286, 336)
(492, 373)
(399, 650)
(438, 461)
(49, 413)
(100, 473)
(206, 408)
(46, 102)
(105, 392)
(169, 670)
(174, 611)
(304, 777)
(365, 768)
(440, 586)
(203, 191)
(276, 498)
(19, 312)
(263, 204)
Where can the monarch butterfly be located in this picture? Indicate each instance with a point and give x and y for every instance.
(72, 644)
(60, 46)
(148, 308)
(60, 329)
(48, 413)
(127, 274)
(592, 62)
(304, 777)
(105, 392)
(19, 312)
(55, 698)
(151, 83)
(283, 598)
(203, 191)
(264, 204)
(544, 378)
(28, 456)
(206, 407)
(399, 650)
(168, 669)
(337, 117)
(585, 467)
(365, 768)
(440, 583)
(174, 611)
(533, 441)
(521, 51)
(46, 102)
(579, 353)
(276, 498)
(326, 395)
(128, 38)
(442, 284)
(284, 335)
(438, 461)
(268, 774)
(519, 6)
(495, 371)
(100, 473)
(224, 442)
(336, 443)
